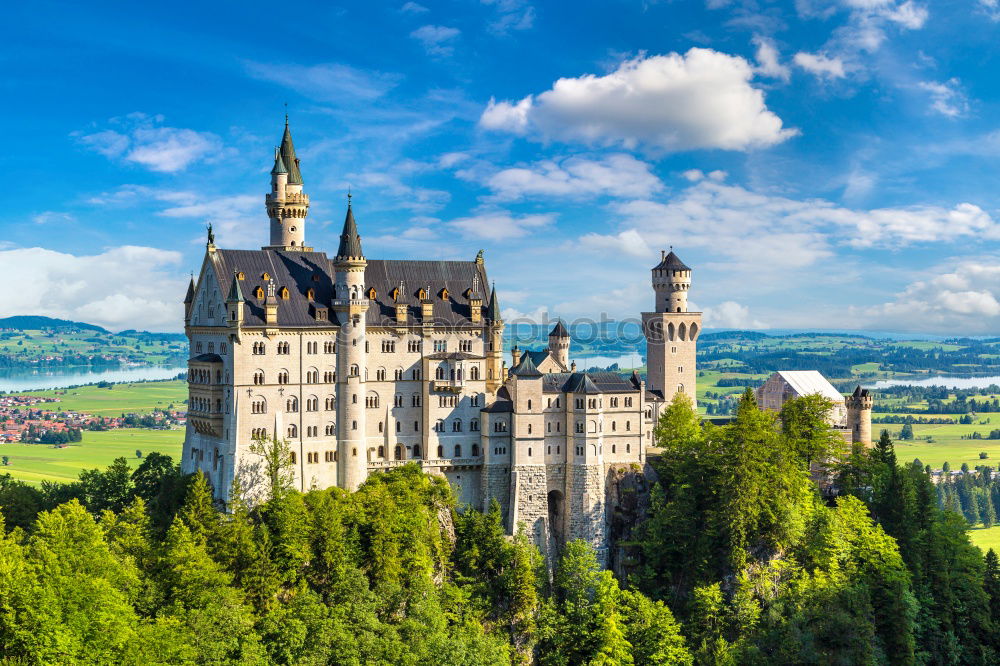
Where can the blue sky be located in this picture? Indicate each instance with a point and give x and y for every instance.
(819, 164)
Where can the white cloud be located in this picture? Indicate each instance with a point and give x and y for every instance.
(628, 242)
(821, 65)
(501, 225)
(53, 216)
(436, 39)
(702, 99)
(730, 314)
(511, 15)
(693, 175)
(327, 82)
(961, 299)
(413, 8)
(122, 287)
(140, 140)
(946, 98)
(769, 60)
(908, 15)
(618, 175)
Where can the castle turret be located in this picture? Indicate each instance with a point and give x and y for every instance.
(234, 303)
(494, 345)
(559, 345)
(671, 331)
(351, 305)
(287, 205)
(859, 416)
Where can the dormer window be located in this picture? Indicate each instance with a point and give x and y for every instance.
(444, 294)
(265, 277)
(422, 295)
(371, 293)
(240, 275)
(259, 293)
(283, 293)
(315, 277)
(395, 294)
(311, 294)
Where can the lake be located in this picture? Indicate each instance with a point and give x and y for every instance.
(20, 380)
(950, 382)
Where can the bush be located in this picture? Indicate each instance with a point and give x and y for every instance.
(983, 455)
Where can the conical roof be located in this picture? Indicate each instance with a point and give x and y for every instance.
(279, 164)
(559, 331)
(190, 292)
(493, 308)
(350, 241)
(235, 293)
(672, 261)
(526, 368)
(288, 157)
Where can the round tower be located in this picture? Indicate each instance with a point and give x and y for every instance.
(671, 283)
(351, 305)
(287, 206)
(559, 344)
(859, 416)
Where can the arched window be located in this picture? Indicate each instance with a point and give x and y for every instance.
(474, 373)
(292, 404)
(416, 450)
(680, 388)
(456, 425)
(399, 452)
(475, 450)
(474, 425)
(458, 450)
(439, 373)
(293, 431)
(355, 371)
(381, 452)
(283, 294)
(440, 451)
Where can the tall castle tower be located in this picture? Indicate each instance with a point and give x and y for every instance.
(287, 205)
(351, 304)
(559, 344)
(671, 331)
(494, 345)
(859, 416)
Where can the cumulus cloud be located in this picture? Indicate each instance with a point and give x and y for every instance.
(769, 60)
(702, 99)
(140, 139)
(821, 65)
(618, 175)
(122, 287)
(629, 242)
(500, 225)
(759, 233)
(413, 8)
(946, 98)
(730, 314)
(436, 39)
(326, 82)
(963, 298)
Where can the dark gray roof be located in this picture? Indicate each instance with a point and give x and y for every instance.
(586, 382)
(526, 368)
(457, 356)
(207, 358)
(559, 331)
(350, 240)
(672, 261)
(499, 407)
(190, 292)
(302, 271)
(288, 157)
(860, 392)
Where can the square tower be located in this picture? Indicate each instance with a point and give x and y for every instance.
(671, 331)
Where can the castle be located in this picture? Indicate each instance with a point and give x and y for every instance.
(366, 364)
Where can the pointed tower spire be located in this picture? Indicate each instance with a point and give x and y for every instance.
(235, 293)
(493, 309)
(279, 164)
(288, 157)
(189, 298)
(350, 241)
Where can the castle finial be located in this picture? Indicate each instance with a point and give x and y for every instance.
(211, 235)
(286, 114)
(349, 195)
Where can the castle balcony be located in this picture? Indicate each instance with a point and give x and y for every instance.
(290, 198)
(448, 385)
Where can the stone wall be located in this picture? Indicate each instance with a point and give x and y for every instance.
(628, 502)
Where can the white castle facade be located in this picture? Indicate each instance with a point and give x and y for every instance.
(366, 364)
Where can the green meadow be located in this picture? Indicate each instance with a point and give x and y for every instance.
(986, 538)
(141, 397)
(35, 463)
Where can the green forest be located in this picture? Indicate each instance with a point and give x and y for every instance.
(741, 560)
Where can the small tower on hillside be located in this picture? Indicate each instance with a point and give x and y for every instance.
(671, 331)
(287, 205)
(559, 345)
(350, 302)
(859, 416)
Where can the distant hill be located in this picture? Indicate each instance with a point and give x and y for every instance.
(37, 322)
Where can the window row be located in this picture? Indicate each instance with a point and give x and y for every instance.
(456, 425)
(200, 347)
(283, 348)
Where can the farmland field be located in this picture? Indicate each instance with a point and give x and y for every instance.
(140, 397)
(986, 538)
(35, 463)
